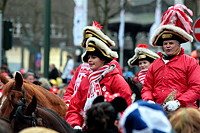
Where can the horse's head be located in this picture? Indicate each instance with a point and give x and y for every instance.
(23, 91)
(22, 115)
(31, 115)
(13, 88)
(136, 87)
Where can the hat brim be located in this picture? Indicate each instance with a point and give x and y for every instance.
(137, 59)
(142, 54)
(93, 49)
(169, 32)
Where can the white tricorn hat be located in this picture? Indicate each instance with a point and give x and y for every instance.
(95, 31)
(96, 47)
(142, 53)
(175, 25)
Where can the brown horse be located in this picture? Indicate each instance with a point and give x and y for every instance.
(24, 116)
(24, 91)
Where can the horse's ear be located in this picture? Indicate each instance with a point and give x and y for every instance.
(3, 78)
(32, 106)
(18, 79)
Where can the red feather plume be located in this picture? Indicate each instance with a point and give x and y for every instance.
(97, 25)
(142, 46)
(176, 16)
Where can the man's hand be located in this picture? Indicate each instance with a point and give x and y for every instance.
(172, 105)
(78, 127)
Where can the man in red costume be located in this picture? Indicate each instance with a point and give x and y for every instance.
(173, 79)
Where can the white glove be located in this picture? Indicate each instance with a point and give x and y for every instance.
(78, 127)
(172, 105)
(150, 101)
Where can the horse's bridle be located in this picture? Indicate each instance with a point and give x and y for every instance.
(23, 99)
(32, 117)
(5, 119)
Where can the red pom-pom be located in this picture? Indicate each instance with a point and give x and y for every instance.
(142, 46)
(96, 24)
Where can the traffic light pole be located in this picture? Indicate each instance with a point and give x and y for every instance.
(0, 37)
(47, 21)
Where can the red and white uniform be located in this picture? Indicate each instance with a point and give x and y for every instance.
(141, 76)
(181, 73)
(75, 82)
(112, 83)
(80, 73)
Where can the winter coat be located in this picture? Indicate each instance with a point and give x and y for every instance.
(67, 73)
(80, 73)
(112, 82)
(53, 74)
(75, 82)
(180, 74)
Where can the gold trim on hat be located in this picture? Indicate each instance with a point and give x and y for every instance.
(90, 49)
(91, 33)
(167, 36)
(142, 55)
(88, 35)
(169, 31)
(95, 46)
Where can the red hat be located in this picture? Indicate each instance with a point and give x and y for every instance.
(54, 90)
(175, 25)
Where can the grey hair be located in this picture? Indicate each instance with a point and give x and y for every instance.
(28, 74)
(177, 42)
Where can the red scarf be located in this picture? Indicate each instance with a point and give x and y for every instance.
(94, 89)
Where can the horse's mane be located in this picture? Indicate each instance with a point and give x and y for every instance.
(32, 89)
(135, 86)
(66, 125)
(20, 116)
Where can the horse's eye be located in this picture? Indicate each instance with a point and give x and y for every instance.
(12, 96)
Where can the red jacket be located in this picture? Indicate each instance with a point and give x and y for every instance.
(75, 82)
(80, 73)
(181, 73)
(1, 92)
(112, 82)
